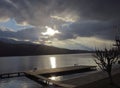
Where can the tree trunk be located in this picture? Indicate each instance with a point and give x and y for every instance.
(110, 78)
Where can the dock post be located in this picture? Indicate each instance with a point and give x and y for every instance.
(1, 76)
(18, 74)
(8, 75)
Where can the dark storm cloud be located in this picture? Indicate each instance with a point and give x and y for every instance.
(99, 29)
(89, 28)
(96, 17)
(32, 34)
(39, 11)
(94, 9)
(36, 12)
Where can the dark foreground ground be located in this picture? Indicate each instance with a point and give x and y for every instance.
(104, 83)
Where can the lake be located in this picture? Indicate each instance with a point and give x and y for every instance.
(25, 63)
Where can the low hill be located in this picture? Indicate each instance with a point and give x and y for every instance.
(28, 49)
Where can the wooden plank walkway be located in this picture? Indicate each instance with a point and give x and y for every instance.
(45, 81)
(38, 75)
(64, 70)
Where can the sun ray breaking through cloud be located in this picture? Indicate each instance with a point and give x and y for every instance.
(50, 31)
(12, 3)
(65, 20)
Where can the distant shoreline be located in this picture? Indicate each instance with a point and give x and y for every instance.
(9, 49)
(44, 54)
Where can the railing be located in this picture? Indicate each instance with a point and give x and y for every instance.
(10, 75)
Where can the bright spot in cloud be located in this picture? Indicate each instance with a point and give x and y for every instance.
(24, 23)
(4, 19)
(65, 19)
(50, 31)
(36, 42)
(14, 39)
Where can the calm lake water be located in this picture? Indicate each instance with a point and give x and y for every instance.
(24, 63)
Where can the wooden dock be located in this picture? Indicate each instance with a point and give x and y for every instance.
(63, 70)
(40, 76)
(45, 81)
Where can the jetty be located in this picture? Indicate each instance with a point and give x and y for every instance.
(63, 70)
(41, 76)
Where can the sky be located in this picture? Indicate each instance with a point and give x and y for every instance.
(72, 24)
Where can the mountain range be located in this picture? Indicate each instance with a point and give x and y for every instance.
(10, 47)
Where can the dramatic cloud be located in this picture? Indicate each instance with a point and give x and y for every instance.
(100, 29)
(95, 9)
(12, 25)
(50, 31)
(85, 43)
(36, 11)
(68, 18)
(98, 19)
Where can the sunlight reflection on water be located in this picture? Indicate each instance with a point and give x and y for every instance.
(56, 78)
(53, 62)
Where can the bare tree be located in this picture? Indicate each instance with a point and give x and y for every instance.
(105, 60)
(117, 44)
